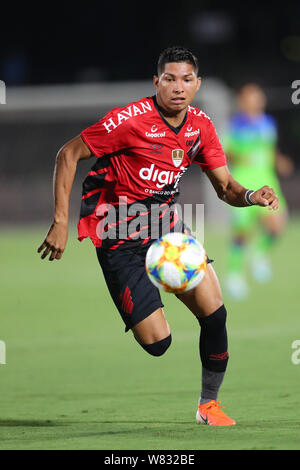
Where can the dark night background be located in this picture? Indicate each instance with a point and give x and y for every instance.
(118, 43)
(61, 43)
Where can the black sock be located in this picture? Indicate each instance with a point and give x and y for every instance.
(213, 353)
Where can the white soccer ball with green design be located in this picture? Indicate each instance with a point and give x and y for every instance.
(176, 263)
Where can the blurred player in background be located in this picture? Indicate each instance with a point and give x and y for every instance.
(251, 149)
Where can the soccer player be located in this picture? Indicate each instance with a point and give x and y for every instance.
(251, 148)
(142, 151)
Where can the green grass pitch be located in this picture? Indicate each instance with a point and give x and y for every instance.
(74, 380)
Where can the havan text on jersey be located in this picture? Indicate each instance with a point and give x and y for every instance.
(130, 111)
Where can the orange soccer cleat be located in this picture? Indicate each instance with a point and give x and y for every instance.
(211, 413)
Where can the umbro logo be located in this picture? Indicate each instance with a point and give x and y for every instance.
(156, 148)
(219, 357)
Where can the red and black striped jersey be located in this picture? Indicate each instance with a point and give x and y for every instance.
(140, 160)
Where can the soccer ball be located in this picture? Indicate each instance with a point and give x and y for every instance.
(176, 263)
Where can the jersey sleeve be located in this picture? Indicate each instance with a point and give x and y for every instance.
(211, 154)
(105, 136)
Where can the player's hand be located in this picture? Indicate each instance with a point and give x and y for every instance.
(55, 241)
(265, 196)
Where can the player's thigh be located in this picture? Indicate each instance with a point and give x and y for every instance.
(133, 293)
(152, 329)
(206, 297)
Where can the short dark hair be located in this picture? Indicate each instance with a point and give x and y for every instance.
(176, 54)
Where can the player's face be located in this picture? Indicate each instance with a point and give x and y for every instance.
(176, 86)
(252, 100)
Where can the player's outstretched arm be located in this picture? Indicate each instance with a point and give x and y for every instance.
(232, 192)
(65, 168)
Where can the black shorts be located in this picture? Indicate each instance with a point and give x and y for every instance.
(129, 285)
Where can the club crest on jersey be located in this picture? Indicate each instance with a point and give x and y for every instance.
(177, 157)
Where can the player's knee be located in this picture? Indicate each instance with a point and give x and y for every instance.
(215, 322)
(159, 347)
